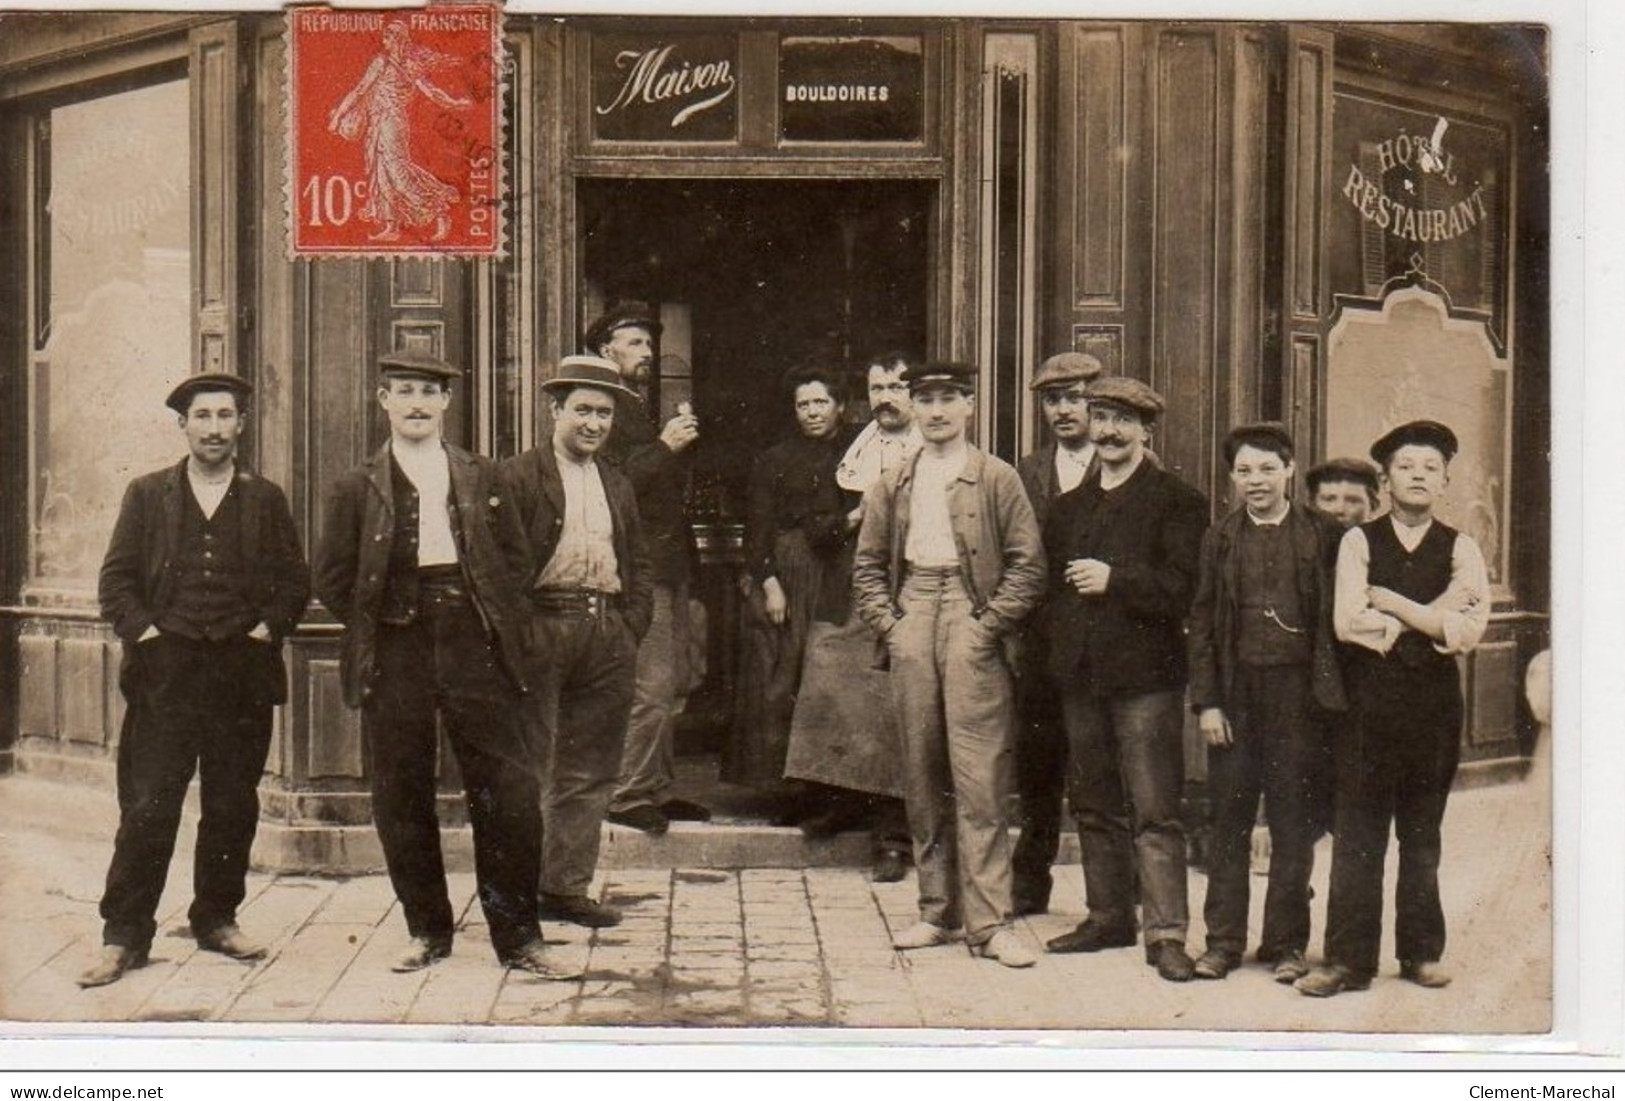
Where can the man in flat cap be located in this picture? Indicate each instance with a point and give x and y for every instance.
(590, 599)
(1055, 468)
(204, 577)
(1412, 594)
(1264, 676)
(420, 559)
(657, 464)
(1123, 550)
(949, 562)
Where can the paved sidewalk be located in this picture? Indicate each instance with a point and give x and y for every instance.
(726, 947)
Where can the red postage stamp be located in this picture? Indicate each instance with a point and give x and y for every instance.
(394, 121)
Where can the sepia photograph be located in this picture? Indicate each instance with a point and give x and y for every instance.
(794, 525)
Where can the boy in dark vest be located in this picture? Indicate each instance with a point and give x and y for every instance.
(1411, 594)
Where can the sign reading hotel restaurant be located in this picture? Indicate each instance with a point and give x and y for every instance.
(669, 87)
(1442, 209)
(851, 89)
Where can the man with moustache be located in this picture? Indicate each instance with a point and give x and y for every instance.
(590, 597)
(420, 559)
(949, 562)
(844, 742)
(657, 464)
(1123, 551)
(203, 579)
(1055, 468)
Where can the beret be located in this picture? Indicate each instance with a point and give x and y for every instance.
(1426, 433)
(180, 398)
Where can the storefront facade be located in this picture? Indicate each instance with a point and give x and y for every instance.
(1338, 226)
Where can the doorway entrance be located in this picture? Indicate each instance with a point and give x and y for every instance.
(754, 278)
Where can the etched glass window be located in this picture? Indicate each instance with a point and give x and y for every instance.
(111, 310)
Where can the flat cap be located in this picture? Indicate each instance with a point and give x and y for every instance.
(620, 316)
(1424, 433)
(1065, 369)
(1126, 393)
(591, 371)
(1271, 433)
(1342, 470)
(418, 365)
(180, 398)
(954, 376)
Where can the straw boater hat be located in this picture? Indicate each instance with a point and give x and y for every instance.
(590, 371)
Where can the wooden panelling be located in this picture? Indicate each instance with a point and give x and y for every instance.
(275, 378)
(1492, 699)
(82, 690)
(340, 406)
(1249, 228)
(1304, 263)
(1185, 303)
(1104, 342)
(215, 63)
(427, 337)
(335, 749)
(1099, 167)
(36, 716)
(416, 282)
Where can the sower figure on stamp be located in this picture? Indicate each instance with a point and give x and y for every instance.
(844, 742)
(1264, 676)
(1412, 593)
(204, 577)
(657, 464)
(949, 562)
(420, 559)
(591, 597)
(1123, 550)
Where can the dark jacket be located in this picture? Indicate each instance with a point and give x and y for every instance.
(1315, 540)
(659, 478)
(352, 562)
(138, 574)
(532, 483)
(1001, 553)
(1130, 639)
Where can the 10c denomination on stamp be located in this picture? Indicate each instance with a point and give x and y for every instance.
(394, 121)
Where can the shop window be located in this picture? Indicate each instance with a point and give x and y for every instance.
(110, 257)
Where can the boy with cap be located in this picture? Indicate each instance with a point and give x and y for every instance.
(203, 579)
(949, 561)
(1264, 668)
(590, 596)
(1344, 489)
(419, 559)
(1123, 550)
(1412, 594)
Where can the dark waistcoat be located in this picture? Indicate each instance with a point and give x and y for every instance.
(1421, 575)
(209, 573)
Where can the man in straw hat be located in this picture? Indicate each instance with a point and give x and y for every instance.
(203, 578)
(420, 560)
(590, 596)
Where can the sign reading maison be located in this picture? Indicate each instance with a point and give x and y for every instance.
(674, 88)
